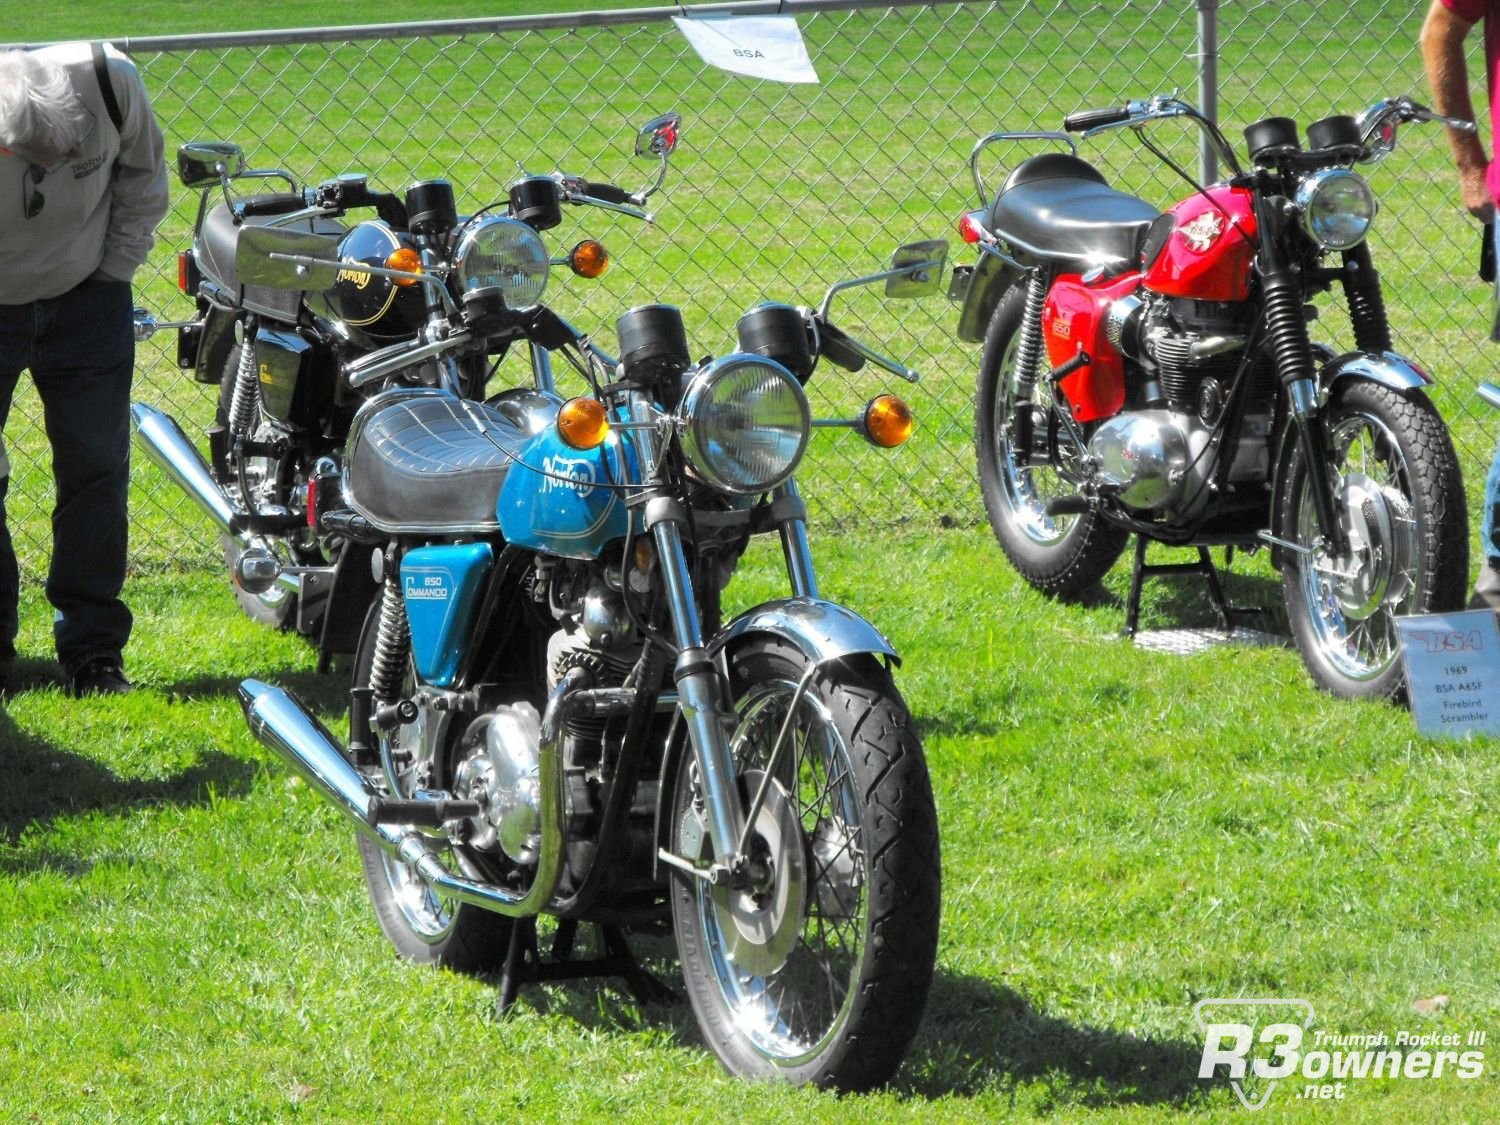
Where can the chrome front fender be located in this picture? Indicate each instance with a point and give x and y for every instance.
(821, 630)
(1386, 368)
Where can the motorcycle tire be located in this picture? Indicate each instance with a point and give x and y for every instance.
(1401, 500)
(820, 975)
(423, 926)
(1063, 555)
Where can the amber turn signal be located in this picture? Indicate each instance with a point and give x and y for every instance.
(887, 421)
(582, 424)
(406, 259)
(589, 258)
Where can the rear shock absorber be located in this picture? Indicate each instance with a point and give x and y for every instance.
(1028, 361)
(1372, 328)
(392, 642)
(246, 387)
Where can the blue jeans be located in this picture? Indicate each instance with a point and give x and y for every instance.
(80, 350)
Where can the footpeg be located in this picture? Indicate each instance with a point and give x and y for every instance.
(1074, 505)
(429, 814)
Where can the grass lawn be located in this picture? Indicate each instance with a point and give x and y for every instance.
(185, 933)
(187, 936)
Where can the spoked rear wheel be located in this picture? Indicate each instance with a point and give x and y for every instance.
(1401, 504)
(817, 970)
(423, 925)
(1061, 555)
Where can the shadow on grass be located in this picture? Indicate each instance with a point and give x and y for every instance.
(328, 694)
(977, 1038)
(1183, 601)
(43, 782)
(992, 1040)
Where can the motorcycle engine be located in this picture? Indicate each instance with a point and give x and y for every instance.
(501, 761)
(1154, 455)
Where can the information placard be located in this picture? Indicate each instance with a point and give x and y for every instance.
(1453, 671)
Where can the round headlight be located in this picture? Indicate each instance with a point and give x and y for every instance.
(745, 422)
(499, 255)
(1337, 208)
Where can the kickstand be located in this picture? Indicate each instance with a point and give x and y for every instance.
(524, 964)
(1140, 570)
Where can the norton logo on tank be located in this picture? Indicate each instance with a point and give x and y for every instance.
(575, 474)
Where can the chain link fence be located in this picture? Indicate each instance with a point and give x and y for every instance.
(778, 191)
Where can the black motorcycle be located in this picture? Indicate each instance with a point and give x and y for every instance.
(293, 363)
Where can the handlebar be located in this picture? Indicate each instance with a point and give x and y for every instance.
(609, 193)
(1085, 119)
(838, 347)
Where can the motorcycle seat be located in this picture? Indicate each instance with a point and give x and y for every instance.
(1059, 207)
(422, 461)
(217, 244)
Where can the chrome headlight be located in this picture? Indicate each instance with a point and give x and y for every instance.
(505, 256)
(745, 422)
(1337, 208)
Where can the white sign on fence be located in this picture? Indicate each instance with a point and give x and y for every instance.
(756, 46)
(1453, 671)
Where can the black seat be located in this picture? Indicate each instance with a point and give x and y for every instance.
(423, 461)
(1060, 207)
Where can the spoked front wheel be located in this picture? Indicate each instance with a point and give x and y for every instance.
(816, 968)
(1400, 501)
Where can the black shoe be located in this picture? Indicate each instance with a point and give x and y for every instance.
(103, 675)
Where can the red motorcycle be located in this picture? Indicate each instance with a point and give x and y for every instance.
(1153, 373)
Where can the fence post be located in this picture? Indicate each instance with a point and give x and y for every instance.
(1208, 82)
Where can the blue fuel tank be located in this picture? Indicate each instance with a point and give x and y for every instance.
(564, 501)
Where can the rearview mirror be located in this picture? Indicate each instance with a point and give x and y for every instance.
(208, 163)
(317, 266)
(917, 269)
(658, 137)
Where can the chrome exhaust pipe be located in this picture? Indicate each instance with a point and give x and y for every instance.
(283, 725)
(162, 440)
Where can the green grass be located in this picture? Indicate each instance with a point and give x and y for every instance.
(187, 935)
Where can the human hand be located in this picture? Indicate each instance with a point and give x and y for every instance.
(1476, 194)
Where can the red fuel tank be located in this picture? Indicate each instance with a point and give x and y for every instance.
(1209, 252)
(1076, 316)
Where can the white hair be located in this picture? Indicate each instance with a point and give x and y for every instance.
(41, 118)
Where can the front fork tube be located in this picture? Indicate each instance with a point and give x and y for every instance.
(790, 514)
(1306, 416)
(698, 685)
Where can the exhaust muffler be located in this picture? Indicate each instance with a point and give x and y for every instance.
(162, 439)
(283, 725)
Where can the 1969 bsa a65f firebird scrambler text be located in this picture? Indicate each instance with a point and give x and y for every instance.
(1153, 373)
(549, 715)
(291, 364)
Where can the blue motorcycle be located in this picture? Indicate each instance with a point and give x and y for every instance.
(550, 716)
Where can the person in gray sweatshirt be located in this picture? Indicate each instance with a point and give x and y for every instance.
(82, 187)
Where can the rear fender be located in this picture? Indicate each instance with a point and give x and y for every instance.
(991, 279)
